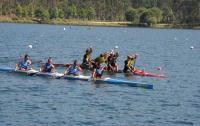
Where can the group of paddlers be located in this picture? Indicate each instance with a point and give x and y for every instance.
(95, 65)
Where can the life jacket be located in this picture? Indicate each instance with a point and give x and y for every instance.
(130, 62)
(24, 64)
(73, 70)
(101, 59)
(86, 58)
(47, 67)
(98, 72)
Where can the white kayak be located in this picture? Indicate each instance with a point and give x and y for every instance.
(27, 72)
(47, 74)
(31, 72)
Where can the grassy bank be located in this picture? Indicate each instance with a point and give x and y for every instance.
(91, 23)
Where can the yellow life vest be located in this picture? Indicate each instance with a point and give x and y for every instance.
(88, 57)
(130, 63)
(101, 59)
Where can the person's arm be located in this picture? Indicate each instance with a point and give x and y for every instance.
(29, 64)
(90, 50)
(80, 69)
(94, 74)
(67, 70)
(42, 68)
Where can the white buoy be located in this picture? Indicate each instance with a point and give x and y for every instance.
(64, 29)
(191, 47)
(116, 47)
(30, 46)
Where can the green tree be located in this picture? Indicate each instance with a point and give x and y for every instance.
(45, 15)
(39, 12)
(61, 13)
(91, 13)
(54, 13)
(30, 10)
(168, 15)
(146, 17)
(72, 11)
(82, 13)
(18, 10)
(132, 15)
(24, 12)
(157, 13)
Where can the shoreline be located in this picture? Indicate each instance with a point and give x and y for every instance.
(78, 22)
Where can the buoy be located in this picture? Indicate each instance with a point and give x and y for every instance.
(30, 46)
(116, 47)
(158, 68)
(191, 47)
(64, 29)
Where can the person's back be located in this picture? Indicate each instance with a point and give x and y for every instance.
(86, 59)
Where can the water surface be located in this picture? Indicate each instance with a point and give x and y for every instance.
(42, 101)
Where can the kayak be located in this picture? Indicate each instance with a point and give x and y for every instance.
(31, 72)
(47, 74)
(124, 82)
(80, 77)
(142, 73)
(28, 72)
(109, 81)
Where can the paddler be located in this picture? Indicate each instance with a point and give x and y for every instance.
(86, 64)
(111, 62)
(98, 71)
(48, 66)
(73, 69)
(102, 58)
(24, 64)
(129, 63)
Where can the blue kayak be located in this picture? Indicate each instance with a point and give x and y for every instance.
(124, 82)
(109, 81)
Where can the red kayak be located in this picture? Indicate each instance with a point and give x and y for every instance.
(142, 73)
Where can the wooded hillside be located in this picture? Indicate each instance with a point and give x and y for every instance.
(137, 11)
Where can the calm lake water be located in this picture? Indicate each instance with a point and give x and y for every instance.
(33, 101)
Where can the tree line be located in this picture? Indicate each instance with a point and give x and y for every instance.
(136, 11)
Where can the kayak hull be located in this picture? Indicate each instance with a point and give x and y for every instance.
(142, 73)
(80, 77)
(12, 70)
(51, 75)
(30, 72)
(124, 82)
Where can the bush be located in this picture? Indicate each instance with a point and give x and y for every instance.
(54, 13)
(24, 12)
(72, 11)
(18, 10)
(38, 12)
(168, 16)
(45, 15)
(91, 13)
(157, 13)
